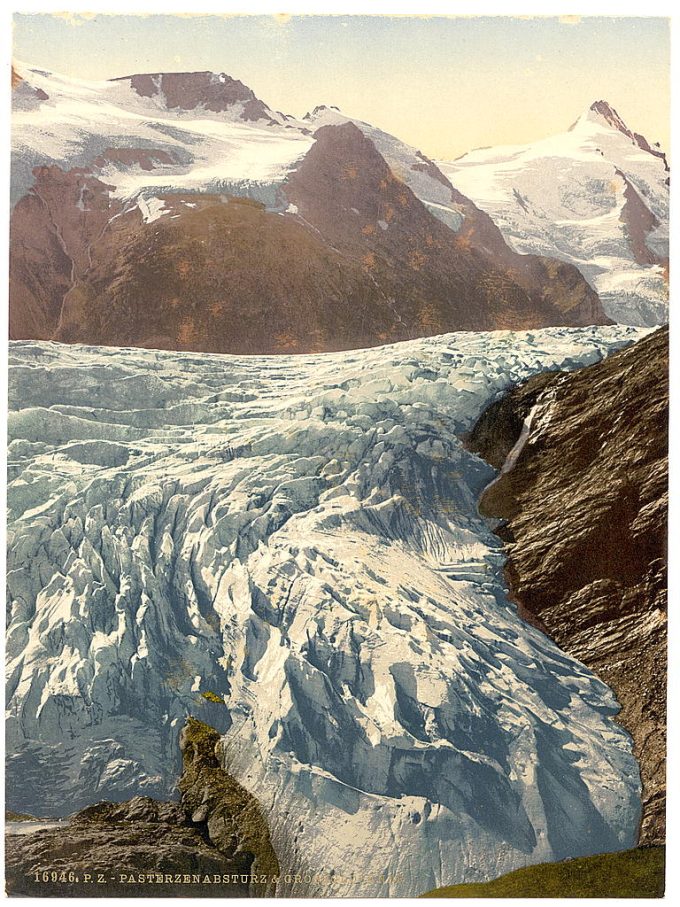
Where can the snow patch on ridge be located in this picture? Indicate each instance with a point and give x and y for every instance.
(151, 208)
(300, 536)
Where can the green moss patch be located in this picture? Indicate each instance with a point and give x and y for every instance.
(212, 697)
(635, 873)
(211, 795)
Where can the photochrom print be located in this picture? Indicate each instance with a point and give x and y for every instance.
(337, 464)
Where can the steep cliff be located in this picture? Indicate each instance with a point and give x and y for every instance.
(583, 501)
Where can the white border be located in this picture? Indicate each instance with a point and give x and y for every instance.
(622, 8)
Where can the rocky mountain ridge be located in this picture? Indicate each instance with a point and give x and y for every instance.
(206, 91)
(129, 227)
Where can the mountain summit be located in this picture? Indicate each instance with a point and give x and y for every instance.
(587, 196)
(603, 111)
(609, 115)
(216, 92)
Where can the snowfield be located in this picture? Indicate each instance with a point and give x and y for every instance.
(213, 152)
(566, 195)
(300, 536)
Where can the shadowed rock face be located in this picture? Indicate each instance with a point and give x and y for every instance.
(211, 844)
(52, 232)
(640, 222)
(361, 262)
(585, 516)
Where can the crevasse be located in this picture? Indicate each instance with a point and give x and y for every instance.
(300, 536)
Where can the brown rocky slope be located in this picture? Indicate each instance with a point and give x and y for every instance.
(584, 513)
(213, 843)
(355, 259)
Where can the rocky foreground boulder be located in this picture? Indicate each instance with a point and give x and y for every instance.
(213, 843)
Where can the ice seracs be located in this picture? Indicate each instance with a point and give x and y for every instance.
(298, 536)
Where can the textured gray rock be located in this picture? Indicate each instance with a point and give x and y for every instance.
(142, 848)
(213, 843)
(585, 515)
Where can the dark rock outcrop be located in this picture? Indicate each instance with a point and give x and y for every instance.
(584, 514)
(230, 817)
(640, 222)
(213, 843)
(216, 92)
(133, 849)
(23, 94)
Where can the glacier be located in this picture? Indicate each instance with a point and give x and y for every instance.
(299, 536)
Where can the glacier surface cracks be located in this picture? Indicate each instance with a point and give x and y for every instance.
(300, 536)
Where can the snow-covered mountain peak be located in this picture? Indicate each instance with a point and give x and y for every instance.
(212, 132)
(320, 110)
(606, 118)
(596, 195)
(219, 136)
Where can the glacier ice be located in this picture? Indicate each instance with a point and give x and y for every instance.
(300, 536)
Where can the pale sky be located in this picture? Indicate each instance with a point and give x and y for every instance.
(443, 84)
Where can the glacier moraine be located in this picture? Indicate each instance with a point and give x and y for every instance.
(299, 536)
